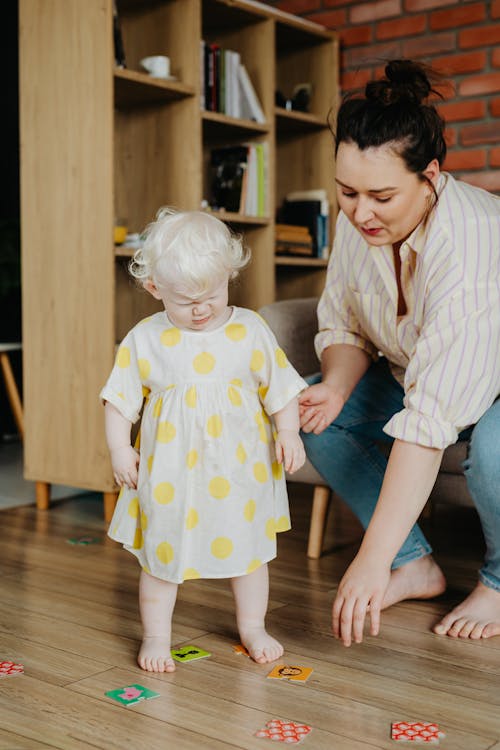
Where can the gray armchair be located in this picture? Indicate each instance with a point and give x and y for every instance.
(294, 324)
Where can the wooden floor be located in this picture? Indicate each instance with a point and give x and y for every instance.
(69, 614)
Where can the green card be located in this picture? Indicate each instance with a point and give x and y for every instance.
(189, 653)
(131, 694)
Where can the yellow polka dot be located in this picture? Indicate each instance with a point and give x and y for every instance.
(254, 565)
(164, 493)
(214, 426)
(237, 381)
(191, 459)
(249, 510)
(191, 519)
(234, 396)
(144, 368)
(165, 553)
(236, 331)
(258, 417)
(219, 488)
(190, 573)
(144, 521)
(241, 454)
(170, 337)
(221, 547)
(122, 396)
(271, 529)
(123, 357)
(282, 524)
(263, 389)
(166, 432)
(133, 507)
(260, 472)
(281, 359)
(277, 470)
(146, 568)
(264, 437)
(204, 363)
(265, 417)
(190, 397)
(150, 464)
(257, 360)
(157, 408)
(138, 540)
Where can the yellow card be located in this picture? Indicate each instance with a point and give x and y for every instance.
(288, 672)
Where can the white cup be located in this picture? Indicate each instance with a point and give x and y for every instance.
(157, 66)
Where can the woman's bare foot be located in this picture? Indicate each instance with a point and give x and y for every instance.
(476, 617)
(261, 646)
(154, 654)
(418, 579)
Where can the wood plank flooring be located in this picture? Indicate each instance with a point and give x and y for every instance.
(69, 614)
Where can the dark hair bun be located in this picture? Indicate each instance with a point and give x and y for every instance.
(405, 80)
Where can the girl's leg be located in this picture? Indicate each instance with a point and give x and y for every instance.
(156, 603)
(251, 593)
(479, 615)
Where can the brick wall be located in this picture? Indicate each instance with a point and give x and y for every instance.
(461, 39)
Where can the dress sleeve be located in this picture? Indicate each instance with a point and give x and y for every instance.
(337, 320)
(453, 376)
(124, 389)
(278, 382)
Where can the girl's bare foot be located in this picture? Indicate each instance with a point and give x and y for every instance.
(418, 579)
(476, 617)
(154, 654)
(260, 645)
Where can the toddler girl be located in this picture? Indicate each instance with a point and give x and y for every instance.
(205, 495)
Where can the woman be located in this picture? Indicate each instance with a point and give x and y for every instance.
(414, 276)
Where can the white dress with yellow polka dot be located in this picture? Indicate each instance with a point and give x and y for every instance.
(210, 494)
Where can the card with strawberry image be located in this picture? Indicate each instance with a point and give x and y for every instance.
(131, 694)
(280, 730)
(416, 731)
(10, 668)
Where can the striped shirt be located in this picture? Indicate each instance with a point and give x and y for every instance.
(445, 350)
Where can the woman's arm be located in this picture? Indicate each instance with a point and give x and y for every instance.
(409, 478)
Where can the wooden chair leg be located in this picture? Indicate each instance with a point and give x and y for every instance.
(110, 499)
(320, 506)
(12, 392)
(42, 495)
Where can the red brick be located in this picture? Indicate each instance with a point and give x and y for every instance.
(488, 83)
(372, 54)
(450, 136)
(356, 79)
(495, 107)
(375, 10)
(460, 16)
(399, 27)
(486, 180)
(332, 19)
(464, 110)
(467, 62)
(418, 5)
(495, 9)
(429, 45)
(356, 35)
(298, 6)
(486, 132)
(494, 157)
(495, 58)
(336, 3)
(479, 36)
(458, 160)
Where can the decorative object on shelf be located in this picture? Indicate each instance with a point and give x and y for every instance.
(239, 178)
(120, 231)
(299, 101)
(158, 66)
(310, 208)
(120, 61)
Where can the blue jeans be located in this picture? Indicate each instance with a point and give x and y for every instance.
(347, 456)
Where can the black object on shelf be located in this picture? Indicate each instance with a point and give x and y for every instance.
(120, 61)
(228, 166)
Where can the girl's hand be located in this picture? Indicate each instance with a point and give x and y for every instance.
(319, 405)
(361, 589)
(125, 462)
(290, 450)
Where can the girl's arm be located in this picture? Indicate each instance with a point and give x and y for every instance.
(124, 458)
(289, 446)
(409, 478)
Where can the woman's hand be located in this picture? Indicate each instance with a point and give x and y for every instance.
(125, 461)
(290, 450)
(361, 590)
(319, 405)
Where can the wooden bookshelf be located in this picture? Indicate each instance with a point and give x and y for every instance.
(99, 142)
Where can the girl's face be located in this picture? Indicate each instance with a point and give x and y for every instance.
(379, 195)
(194, 312)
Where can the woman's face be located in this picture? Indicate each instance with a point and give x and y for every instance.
(379, 195)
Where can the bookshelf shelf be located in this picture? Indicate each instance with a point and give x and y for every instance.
(133, 88)
(285, 260)
(291, 121)
(217, 123)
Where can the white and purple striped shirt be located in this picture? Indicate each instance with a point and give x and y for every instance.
(445, 351)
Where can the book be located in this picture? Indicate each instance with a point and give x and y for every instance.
(120, 60)
(292, 239)
(250, 105)
(313, 214)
